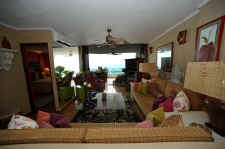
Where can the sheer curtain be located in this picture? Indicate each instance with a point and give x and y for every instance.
(68, 58)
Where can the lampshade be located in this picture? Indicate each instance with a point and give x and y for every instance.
(207, 78)
(147, 67)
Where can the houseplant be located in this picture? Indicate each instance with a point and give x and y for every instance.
(64, 78)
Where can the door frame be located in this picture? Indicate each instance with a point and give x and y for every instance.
(33, 105)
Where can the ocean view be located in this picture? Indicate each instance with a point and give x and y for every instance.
(112, 69)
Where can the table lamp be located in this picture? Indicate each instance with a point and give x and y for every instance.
(208, 78)
(147, 68)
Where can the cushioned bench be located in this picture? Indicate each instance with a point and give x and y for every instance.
(44, 135)
(104, 135)
(146, 135)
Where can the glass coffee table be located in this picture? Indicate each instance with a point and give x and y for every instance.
(110, 101)
(107, 108)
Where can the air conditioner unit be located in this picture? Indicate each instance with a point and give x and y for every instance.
(60, 41)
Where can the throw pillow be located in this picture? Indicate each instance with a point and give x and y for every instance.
(145, 89)
(21, 122)
(42, 116)
(153, 89)
(145, 124)
(181, 103)
(167, 105)
(63, 123)
(157, 101)
(59, 121)
(142, 88)
(44, 124)
(139, 88)
(136, 84)
(157, 115)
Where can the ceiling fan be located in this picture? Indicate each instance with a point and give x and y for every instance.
(112, 42)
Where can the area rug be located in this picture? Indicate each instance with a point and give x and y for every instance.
(130, 114)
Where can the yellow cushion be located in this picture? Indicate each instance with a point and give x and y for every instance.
(142, 88)
(157, 115)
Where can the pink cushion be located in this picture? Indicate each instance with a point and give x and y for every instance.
(167, 105)
(43, 116)
(144, 124)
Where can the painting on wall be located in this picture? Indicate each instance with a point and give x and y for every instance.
(181, 37)
(208, 40)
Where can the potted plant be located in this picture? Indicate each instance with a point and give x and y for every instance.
(64, 78)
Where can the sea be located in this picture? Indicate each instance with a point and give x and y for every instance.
(112, 69)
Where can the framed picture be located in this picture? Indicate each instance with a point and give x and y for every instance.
(181, 37)
(208, 40)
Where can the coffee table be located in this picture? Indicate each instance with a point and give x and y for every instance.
(107, 108)
(113, 101)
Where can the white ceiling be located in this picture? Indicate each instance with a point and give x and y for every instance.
(85, 21)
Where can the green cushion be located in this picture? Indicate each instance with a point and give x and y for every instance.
(157, 115)
(139, 89)
(142, 88)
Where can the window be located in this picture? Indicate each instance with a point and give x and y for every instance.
(68, 58)
(114, 63)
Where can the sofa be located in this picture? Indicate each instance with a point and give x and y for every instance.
(120, 132)
(145, 102)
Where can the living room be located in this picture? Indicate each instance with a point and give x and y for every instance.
(155, 27)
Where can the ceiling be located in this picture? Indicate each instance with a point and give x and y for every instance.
(85, 21)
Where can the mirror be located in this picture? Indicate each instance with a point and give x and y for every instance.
(164, 55)
(66, 63)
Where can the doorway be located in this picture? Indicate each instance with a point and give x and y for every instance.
(38, 76)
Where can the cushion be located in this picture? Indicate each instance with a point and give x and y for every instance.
(142, 88)
(167, 105)
(21, 122)
(59, 121)
(42, 116)
(139, 88)
(145, 124)
(63, 123)
(44, 124)
(153, 89)
(157, 101)
(157, 115)
(136, 86)
(181, 102)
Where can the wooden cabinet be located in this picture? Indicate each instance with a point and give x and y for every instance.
(132, 69)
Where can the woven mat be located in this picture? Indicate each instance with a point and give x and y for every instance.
(144, 135)
(52, 135)
(97, 125)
